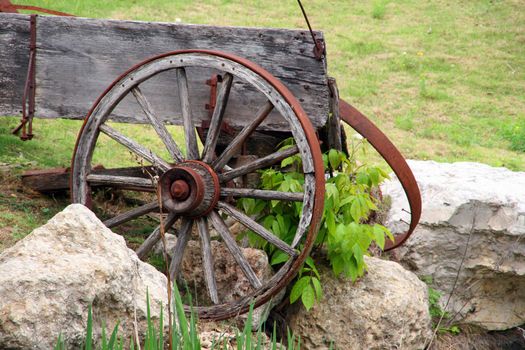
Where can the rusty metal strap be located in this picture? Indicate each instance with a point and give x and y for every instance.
(28, 98)
(393, 157)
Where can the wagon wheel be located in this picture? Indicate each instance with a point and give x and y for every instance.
(196, 187)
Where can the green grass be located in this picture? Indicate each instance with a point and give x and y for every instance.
(444, 79)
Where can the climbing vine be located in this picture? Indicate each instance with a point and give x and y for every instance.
(346, 231)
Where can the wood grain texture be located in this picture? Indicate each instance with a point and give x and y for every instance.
(158, 125)
(216, 119)
(192, 150)
(207, 259)
(182, 241)
(234, 249)
(261, 194)
(14, 59)
(136, 148)
(78, 58)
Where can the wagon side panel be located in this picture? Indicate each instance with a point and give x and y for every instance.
(78, 58)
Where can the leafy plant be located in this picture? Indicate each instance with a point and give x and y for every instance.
(435, 310)
(345, 231)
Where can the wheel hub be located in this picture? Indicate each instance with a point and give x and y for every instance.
(190, 188)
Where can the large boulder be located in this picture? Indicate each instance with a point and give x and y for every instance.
(48, 279)
(386, 309)
(473, 217)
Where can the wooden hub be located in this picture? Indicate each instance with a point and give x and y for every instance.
(190, 189)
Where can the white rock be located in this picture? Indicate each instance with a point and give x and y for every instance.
(481, 205)
(48, 279)
(386, 309)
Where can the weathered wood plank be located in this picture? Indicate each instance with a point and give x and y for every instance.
(115, 180)
(57, 179)
(14, 58)
(78, 58)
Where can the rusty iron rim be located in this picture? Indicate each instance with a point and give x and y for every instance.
(360, 123)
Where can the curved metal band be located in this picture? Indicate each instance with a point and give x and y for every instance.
(360, 123)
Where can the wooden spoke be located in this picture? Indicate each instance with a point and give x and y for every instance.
(235, 146)
(234, 249)
(256, 227)
(135, 147)
(216, 118)
(192, 151)
(262, 194)
(115, 180)
(207, 259)
(182, 241)
(258, 164)
(152, 239)
(132, 214)
(157, 124)
(306, 215)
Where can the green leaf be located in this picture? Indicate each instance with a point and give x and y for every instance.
(279, 257)
(334, 158)
(308, 297)
(358, 255)
(318, 288)
(286, 162)
(379, 236)
(362, 178)
(374, 175)
(298, 288)
(310, 262)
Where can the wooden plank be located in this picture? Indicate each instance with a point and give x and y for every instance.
(78, 58)
(57, 179)
(14, 58)
(119, 181)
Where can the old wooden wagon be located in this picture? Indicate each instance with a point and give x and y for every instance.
(240, 91)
